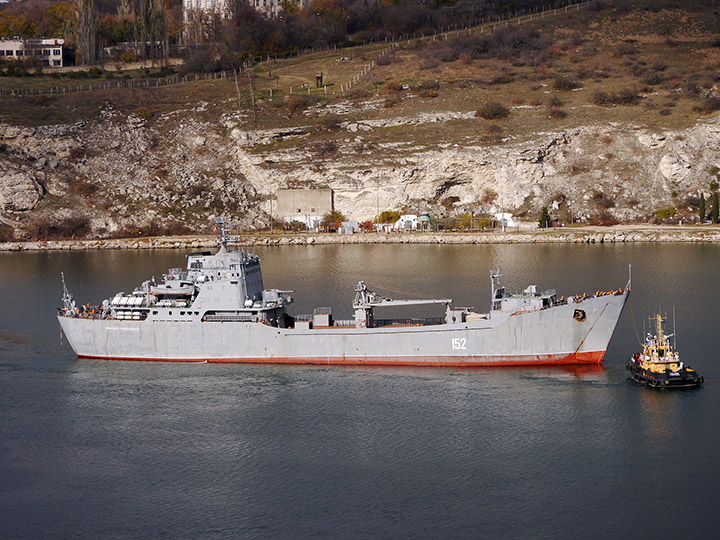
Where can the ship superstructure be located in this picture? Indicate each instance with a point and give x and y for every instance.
(217, 310)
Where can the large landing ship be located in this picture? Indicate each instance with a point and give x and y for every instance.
(216, 310)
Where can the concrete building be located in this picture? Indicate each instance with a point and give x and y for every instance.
(206, 7)
(47, 51)
(271, 8)
(307, 206)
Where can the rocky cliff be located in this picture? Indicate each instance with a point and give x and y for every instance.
(120, 171)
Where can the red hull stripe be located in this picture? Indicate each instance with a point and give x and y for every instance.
(594, 357)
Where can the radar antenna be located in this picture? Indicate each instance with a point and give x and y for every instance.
(220, 229)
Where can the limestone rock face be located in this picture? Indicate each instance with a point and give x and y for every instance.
(674, 167)
(121, 171)
(19, 191)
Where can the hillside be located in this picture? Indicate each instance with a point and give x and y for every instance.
(607, 113)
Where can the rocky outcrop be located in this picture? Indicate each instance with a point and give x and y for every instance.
(121, 171)
(19, 191)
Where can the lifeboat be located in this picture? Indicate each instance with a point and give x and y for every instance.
(172, 289)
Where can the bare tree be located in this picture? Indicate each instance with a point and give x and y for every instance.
(150, 26)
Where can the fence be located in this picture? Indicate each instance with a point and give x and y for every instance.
(444, 33)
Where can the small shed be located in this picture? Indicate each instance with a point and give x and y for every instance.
(407, 222)
(349, 227)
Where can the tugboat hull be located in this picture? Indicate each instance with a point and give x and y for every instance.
(680, 379)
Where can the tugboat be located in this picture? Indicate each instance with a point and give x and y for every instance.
(659, 363)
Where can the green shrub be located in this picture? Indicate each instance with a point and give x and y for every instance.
(544, 220)
(665, 213)
(333, 219)
(143, 113)
(389, 216)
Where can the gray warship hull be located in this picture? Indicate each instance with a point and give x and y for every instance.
(551, 336)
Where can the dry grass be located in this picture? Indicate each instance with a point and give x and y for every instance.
(667, 57)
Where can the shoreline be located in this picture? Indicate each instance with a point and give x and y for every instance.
(574, 235)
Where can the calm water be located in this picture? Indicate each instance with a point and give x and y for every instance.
(99, 449)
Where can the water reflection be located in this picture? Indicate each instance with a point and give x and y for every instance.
(127, 449)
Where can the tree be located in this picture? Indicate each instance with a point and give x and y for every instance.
(544, 220)
(150, 24)
(367, 226)
(702, 208)
(389, 216)
(86, 29)
(714, 212)
(333, 219)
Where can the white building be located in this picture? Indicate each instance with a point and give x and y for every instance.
(208, 7)
(508, 218)
(408, 222)
(271, 8)
(47, 51)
